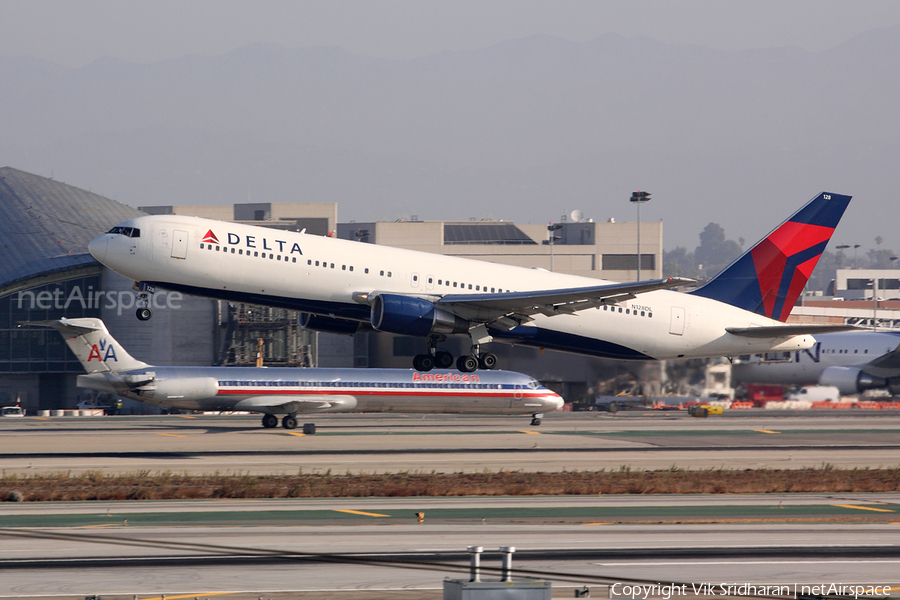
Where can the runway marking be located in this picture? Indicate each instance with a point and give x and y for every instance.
(530, 432)
(41, 419)
(863, 507)
(765, 431)
(167, 597)
(94, 526)
(598, 523)
(187, 417)
(171, 435)
(359, 512)
(293, 433)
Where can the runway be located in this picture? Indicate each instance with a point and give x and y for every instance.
(362, 549)
(377, 545)
(449, 443)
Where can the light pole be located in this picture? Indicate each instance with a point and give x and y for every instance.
(552, 228)
(639, 198)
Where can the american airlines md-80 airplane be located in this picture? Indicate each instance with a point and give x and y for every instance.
(343, 286)
(293, 391)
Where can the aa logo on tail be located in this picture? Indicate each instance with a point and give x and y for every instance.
(102, 352)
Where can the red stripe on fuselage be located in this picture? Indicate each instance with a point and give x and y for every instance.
(351, 392)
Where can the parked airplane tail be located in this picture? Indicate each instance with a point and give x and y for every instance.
(95, 348)
(768, 278)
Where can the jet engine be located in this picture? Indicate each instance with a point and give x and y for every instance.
(329, 324)
(184, 392)
(849, 380)
(413, 316)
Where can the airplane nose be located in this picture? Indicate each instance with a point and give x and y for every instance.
(555, 402)
(97, 247)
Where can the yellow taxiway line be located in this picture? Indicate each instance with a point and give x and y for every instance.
(863, 507)
(359, 512)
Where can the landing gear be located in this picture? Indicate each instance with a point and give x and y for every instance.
(536, 419)
(143, 311)
(487, 361)
(443, 360)
(473, 362)
(309, 428)
(423, 362)
(467, 364)
(269, 421)
(289, 422)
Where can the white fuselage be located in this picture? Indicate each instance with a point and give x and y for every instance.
(283, 390)
(842, 349)
(322, 275)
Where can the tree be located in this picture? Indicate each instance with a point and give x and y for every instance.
(714, 251)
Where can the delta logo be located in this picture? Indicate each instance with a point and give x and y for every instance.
(102, 352)
(253, 242)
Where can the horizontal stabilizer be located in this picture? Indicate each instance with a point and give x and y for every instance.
(63, 326)
(788, 330)
(886, 365)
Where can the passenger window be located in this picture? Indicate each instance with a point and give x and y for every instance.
(454, 284)
(201, 246)
(381, 273)
(255, 254)
(351, 267)
(389, 273)
(317, 263)
(232, 250)
(470, 286)
(309, 261)
(367, 271)
(332, 265)
(343, 267)
(294, 259)
(279, 257)
(263, 254)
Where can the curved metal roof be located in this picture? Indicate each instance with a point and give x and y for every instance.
(45, 226)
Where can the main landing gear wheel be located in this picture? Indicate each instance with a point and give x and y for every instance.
(143, 314)
(289, 422)
(270, 421)
(443, 360)
(467, 364)
(487, 361)
(423, 362)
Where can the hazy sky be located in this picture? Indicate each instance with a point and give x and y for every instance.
(75, 32)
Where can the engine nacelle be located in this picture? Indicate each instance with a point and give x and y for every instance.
(413, 316)
(849, 380)
(329, 324)
(177, 392)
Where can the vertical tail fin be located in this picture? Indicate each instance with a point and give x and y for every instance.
(769, 277)
(92, 344)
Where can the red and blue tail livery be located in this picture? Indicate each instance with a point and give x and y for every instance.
(769, 278)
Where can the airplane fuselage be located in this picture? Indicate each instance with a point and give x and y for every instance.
(805, 367)
(283, 390)
(332, 277)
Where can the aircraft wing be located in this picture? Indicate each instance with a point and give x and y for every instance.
(519, 306)
(789, 330)
(297, 404)
(886, 365)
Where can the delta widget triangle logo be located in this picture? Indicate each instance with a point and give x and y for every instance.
(210, 237)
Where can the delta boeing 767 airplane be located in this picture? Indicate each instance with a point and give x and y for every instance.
(294, 391)
(343, 286)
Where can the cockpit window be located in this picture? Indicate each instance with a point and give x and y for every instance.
(131, 232)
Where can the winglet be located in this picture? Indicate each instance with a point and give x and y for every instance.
(769, 277)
